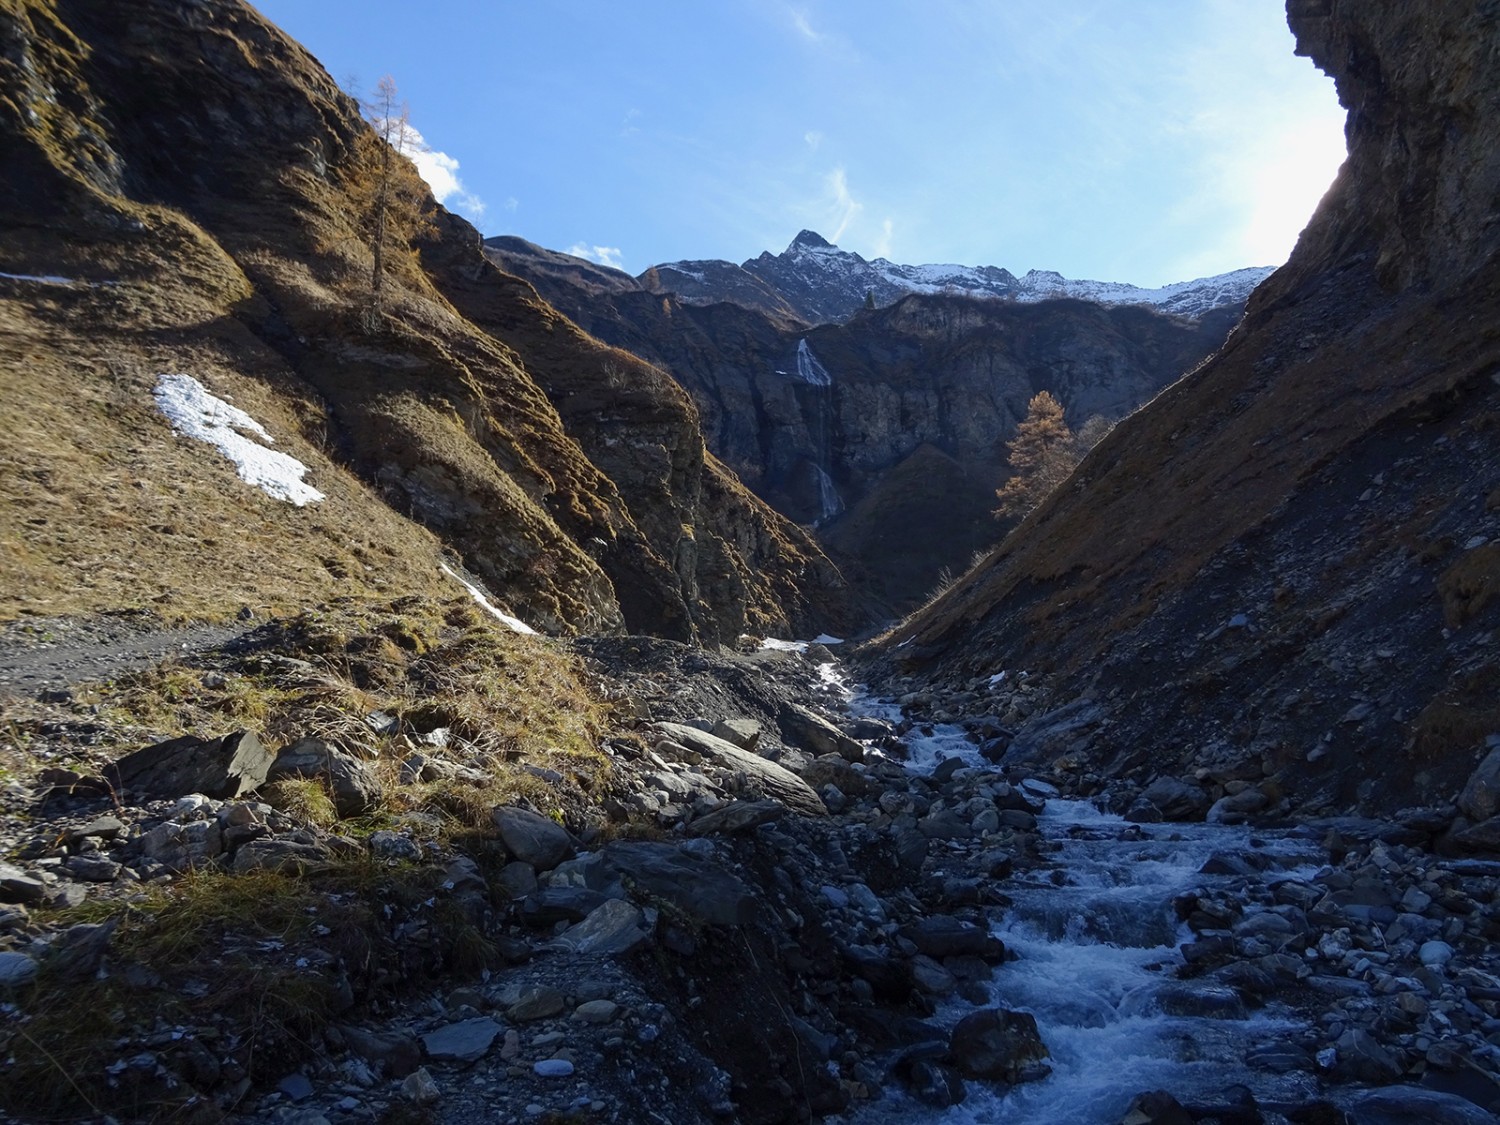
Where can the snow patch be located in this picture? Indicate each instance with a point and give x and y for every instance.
(205, 417)
(41, 279)
(514, 624)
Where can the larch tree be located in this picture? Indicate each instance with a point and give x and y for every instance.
(1043, 453)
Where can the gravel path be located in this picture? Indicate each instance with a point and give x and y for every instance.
(55, 653)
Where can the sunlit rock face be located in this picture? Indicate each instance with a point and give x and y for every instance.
(1287, 564)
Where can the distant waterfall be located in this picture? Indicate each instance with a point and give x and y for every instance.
(830, 503)
(809, 370)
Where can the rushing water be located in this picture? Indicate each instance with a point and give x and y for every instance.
(1096, 938)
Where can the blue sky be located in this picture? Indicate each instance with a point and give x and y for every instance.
(1122, 140)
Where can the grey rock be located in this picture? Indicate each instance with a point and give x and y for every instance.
(770, 779)
(744, 733)
(737, 816)
(1363, 1059)
(420, 1089)
(92, 868)
(533, 838)
(100, 828)
(18, 886)
(699, 887)
(1480, 797)
(613, 929)
(815, 734)
(354, 789)
(538, 1002)
(942, 936)
(1178, 800)
(464, 1041)
(517, 879)
(999, 1045)
(552, 1068)
(397, 1053)
(1401, 1105)
(16, 969)
(78, 951)
(296, 1087)
(277, 855)
(596, 1011)
(221, 768)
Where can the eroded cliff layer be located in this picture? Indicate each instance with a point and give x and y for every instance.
(1287, 566)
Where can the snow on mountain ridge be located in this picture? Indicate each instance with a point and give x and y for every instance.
(824, 283)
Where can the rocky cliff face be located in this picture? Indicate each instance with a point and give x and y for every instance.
(1285, 569)
(186, 191)
(886, 433)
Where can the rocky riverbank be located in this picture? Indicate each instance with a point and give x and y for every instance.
(774, 909)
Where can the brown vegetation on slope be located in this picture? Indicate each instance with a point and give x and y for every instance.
(1321, 475)
(209, 171)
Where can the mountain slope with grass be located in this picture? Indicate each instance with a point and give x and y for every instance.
(188, 193)
(1285, 570)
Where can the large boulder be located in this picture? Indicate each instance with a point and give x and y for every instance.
(769, 778)
(221, 768)
(698, 886)
(1177, 800)
(354, 789)
(533, 838)
(815, 734)
(999, 1045)
(1480, 798)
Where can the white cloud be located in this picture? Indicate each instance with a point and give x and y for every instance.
(844, 207)
(883, 243)
(512, 204)
(813, 138)
(604, 255)
(441, 173)
(803, 25)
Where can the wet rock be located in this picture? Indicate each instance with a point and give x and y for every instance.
(1177, 800)
(998, 1045)
(1203, 1001)
(1156, 1108)
(533, 838)
(1402, 1105)
(220, 768)
(464, 1041)
(942, 936)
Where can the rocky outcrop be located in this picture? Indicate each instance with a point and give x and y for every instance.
(1285, 567)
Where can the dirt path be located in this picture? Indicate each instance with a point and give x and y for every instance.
(56, 653)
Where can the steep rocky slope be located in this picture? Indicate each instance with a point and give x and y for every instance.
(187, 191)
(1285, 570)
(887, 432)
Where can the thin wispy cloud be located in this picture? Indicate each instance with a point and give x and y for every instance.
(441, 173)
(628, 126)
(883, 243)
(803, 25)
(844, 208)
(602, 255)
(813, 138)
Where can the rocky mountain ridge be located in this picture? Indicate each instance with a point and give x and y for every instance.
(814, 280)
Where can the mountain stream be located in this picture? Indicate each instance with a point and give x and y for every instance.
(1095, 938)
